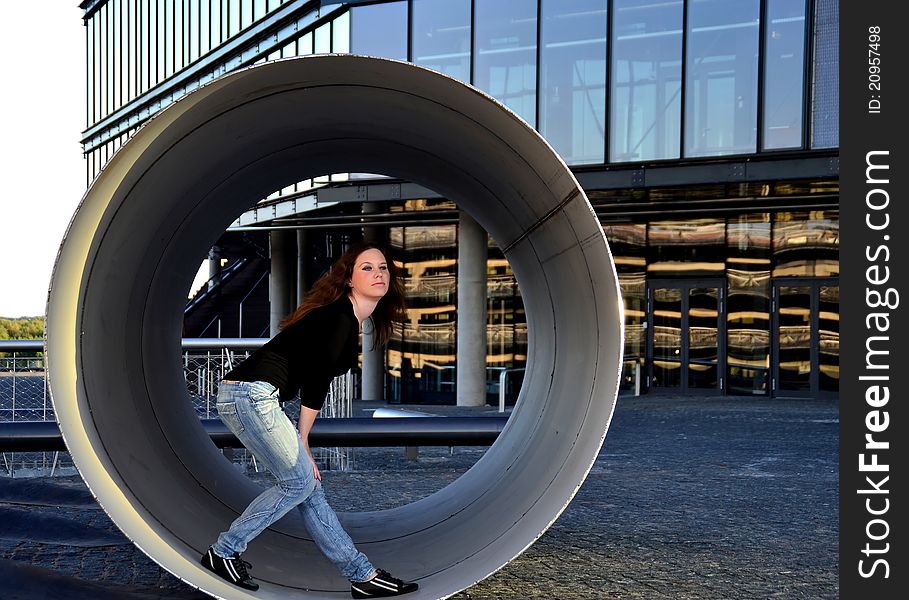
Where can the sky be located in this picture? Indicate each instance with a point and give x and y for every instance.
(42, 108)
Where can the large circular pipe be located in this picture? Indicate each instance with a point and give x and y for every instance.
(114, 316)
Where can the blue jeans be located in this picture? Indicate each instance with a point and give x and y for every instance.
(252, 412)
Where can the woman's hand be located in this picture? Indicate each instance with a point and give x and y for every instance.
(315, 471)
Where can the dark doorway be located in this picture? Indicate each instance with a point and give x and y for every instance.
(686, 337)
(806, 340)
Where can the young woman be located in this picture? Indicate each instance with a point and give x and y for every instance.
(316, 343)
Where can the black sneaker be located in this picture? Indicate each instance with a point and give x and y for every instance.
(381, 586)
(232, 570)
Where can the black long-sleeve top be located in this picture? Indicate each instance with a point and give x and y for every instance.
(307, 355)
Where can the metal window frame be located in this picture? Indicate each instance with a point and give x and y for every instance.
(244, 49)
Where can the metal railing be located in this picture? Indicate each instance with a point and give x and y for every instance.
(503, 380)
(25, 398)
(23, 388)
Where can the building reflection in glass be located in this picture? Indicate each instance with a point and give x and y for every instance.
(794, 338)
(710, 315)
(748, 305)
(628, 244)
(646, 92)
(421, 359)
(829, 338)
(421, 363)
(690, 247)
(667, 338)
(806, 244)
(703, 337)
(721, 78)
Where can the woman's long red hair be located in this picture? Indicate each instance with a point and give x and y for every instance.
(333, 284)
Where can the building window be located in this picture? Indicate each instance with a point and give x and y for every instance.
(340, 34)
(784, 74)
(379, 30)
(825, 94)
(441, 36)
(628, 245)
(687, 248)
(748, 304)
(721, 77)
(646, 90)
(421, 359)
(806, 244)
(505, 54)
(573, 78)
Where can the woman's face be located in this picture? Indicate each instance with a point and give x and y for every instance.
(370, 277)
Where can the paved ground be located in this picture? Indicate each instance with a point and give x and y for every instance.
(689, 498)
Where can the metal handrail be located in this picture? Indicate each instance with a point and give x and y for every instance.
(21, 345)
(35, 436)
(186, 343)
(214, 282)
(248, 294)
(502, 377)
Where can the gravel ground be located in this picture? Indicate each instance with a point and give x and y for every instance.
(689, 498)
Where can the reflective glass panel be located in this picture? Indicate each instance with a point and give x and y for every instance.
(646, 89)
(129, 22)
(304, 44)
(179, 36)
(421, 364)
(829, 338)
(628, 244)
(506, 325)
(323, 39)
(748, 304)
(667, 337)
(825, 93)
(379, 30)
(161, 28)
(116, 55)
(90, 71)
(690, 247)
(100, 64)
(784, 74)
(794, 314)
(142, 63)
(194, 30)
(505, 53)
(214, 23)
(441, 36)
(721, 77)
(703, 326)
(340, 33)
(234, 18)
(246, 14)
(806, 244)
(633, 286)
(573, 78)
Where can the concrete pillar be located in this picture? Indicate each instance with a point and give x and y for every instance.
(373, 377)
(282, 286)
(471, 358)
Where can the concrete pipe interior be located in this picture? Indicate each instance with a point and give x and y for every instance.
(118, 290)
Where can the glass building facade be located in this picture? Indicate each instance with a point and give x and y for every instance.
(704, 132)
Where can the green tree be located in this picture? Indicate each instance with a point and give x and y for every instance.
(26, 328)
